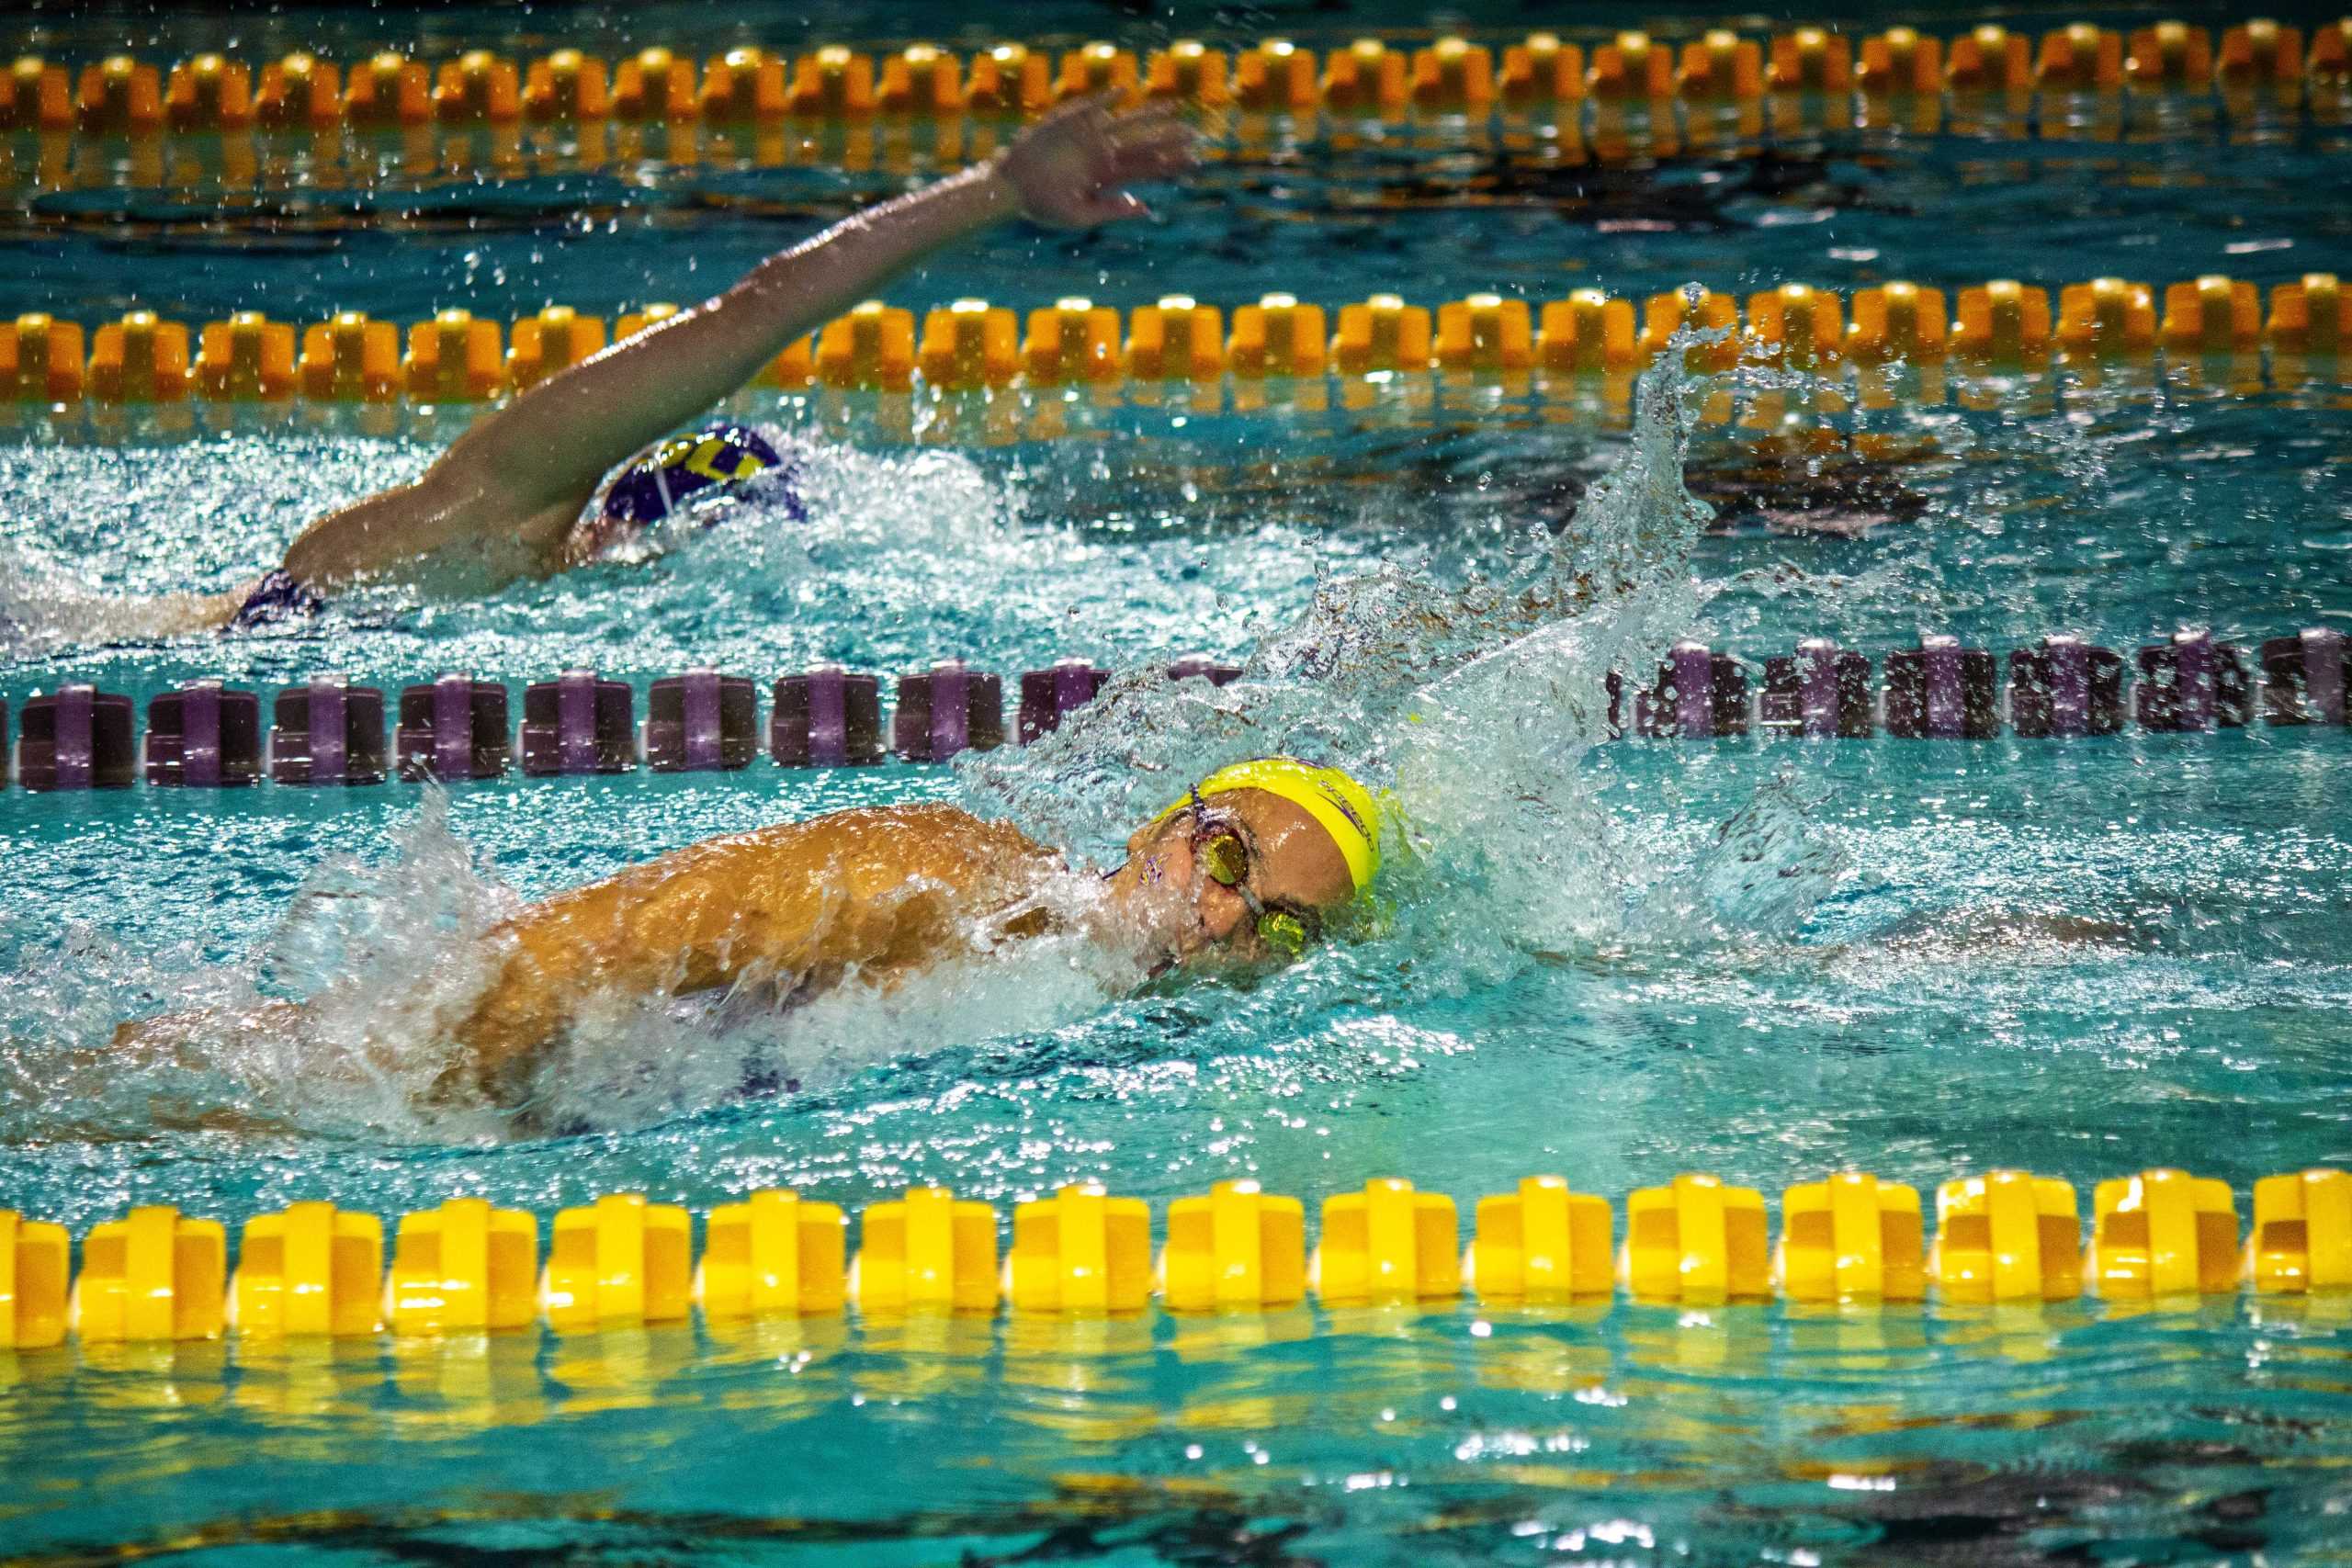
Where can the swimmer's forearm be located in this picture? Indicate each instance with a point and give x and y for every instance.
(174, 1039)
(806, 285)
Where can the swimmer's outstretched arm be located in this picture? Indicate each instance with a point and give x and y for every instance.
(507, 493)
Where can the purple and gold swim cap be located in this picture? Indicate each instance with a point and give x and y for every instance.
(665, 479)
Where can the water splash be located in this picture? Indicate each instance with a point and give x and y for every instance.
(383, 955)
(1477, 708)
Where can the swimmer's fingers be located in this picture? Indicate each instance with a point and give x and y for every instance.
(1150, 145)
(1149, 123)
(1153, 146)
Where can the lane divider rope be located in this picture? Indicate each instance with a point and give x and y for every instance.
(1817, 77)
(145, 362)
(2002, 1236)
(208, 734)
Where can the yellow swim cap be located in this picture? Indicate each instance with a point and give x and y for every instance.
(1342, 808)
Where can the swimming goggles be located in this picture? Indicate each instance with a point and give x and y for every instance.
(1223, 847)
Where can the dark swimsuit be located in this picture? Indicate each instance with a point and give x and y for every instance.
(278, 597)
(651, 487)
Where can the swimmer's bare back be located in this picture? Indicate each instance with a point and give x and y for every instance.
(876, 893)
(503, 502)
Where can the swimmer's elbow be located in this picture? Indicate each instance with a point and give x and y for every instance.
(366, 539)
(456, 511)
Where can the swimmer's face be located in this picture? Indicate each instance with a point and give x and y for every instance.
(1247, 877)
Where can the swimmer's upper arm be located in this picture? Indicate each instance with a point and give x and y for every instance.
(697, 919)
(454, 514)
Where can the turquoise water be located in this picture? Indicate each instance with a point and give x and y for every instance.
(1617, 960)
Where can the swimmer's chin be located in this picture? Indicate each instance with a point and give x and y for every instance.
(1209, 965)
(1173, 979)
(1175, 955)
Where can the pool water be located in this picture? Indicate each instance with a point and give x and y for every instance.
(1617, 960)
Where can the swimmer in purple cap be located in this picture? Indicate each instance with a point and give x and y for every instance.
(523, 493)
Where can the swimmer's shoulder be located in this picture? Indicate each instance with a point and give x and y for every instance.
(930, 823)
(890, 843)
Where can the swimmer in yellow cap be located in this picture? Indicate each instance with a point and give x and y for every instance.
(1244, 870)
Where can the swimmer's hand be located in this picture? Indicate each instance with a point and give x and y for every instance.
(1069, 169)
